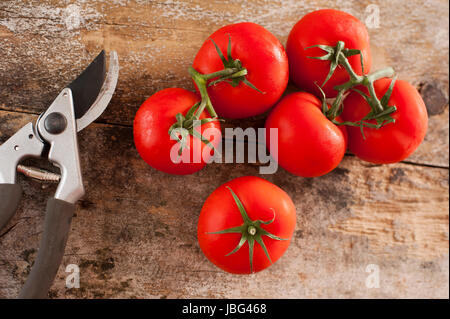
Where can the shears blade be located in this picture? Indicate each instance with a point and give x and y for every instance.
(86, 87)
(104, 95)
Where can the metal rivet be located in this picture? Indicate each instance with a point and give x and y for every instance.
(55, 123)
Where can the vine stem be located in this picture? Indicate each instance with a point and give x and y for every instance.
(380, 110)
(355, 80)
(376, 105)
(225, 72)
(201, 80)
(233, 73)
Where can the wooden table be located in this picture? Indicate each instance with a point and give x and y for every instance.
(134, 234)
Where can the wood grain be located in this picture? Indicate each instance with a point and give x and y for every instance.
(135, 231)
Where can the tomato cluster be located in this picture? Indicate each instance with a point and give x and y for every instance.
(242, 70)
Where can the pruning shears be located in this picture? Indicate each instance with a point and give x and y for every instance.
(54, 136)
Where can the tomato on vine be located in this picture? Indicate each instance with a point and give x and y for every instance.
(165, 133)
(386, 118)
(246, 225)
(395, 141)
(176, 118)
(262, 66)
(326, 27)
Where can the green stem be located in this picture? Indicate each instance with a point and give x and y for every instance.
(233, 73)
(221, 73)
(381, 111)
(354, 78)
(201, 80)
(238, 74)
(383, 73)
(374, 101)
(332, 112)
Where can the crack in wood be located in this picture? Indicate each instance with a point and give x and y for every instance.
(102, 23)
(8, 230)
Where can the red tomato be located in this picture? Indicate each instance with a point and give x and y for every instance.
(325, 27)
(151, 127)
(395, 141)
(309, 144)
(265, 60)
(262, 200)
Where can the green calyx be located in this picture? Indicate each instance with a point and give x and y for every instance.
(186, 125)
(380, 110)
(233, 73)
(231, 64)
(251, 232)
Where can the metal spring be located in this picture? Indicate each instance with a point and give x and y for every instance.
(39, 174)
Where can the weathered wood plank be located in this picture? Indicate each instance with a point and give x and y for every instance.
(45, 44)
(134, 234)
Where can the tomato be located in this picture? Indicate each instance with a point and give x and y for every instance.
(265, 60)
(395, 141)
(261, 201)
(151, 126)
(309, 144)
(325, 27)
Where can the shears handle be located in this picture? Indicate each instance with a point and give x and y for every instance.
(21, 145)
(57, 222)
(58, 218)
(10, 195)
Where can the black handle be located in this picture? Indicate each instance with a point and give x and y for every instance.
(10, 195)
(51, 251)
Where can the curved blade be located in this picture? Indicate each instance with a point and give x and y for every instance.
(104, 96)
(86, 87)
